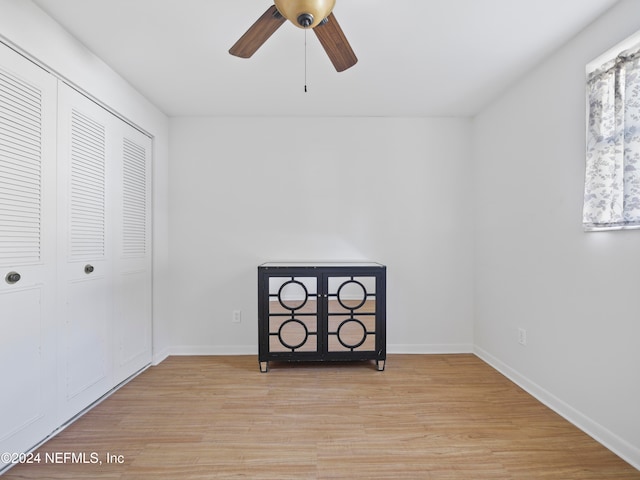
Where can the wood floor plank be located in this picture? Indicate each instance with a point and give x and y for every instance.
(432, 417)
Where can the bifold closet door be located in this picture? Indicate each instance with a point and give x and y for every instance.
(27, 253)
(85, 219)
(132, 258)
(75, 252)
(104, 217)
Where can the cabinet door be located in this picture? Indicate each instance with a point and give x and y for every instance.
(351, 313)
(27, 247)
(292, 320)
(132, 263)
(84, 271)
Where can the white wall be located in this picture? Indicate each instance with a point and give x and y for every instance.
(575, 293)
(25, 26)
(245, 191)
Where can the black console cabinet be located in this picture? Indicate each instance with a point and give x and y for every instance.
(321, 311)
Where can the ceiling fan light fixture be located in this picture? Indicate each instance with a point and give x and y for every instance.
(305, 13)
(305, 20)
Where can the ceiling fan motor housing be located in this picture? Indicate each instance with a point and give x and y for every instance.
(305, 13)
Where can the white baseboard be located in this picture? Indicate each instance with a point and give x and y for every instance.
(160, 356)
(185, 350)
(617, 445)
(253, 350)
(430, 349)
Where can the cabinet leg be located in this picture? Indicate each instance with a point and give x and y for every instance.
(264, 367)
(380, 365)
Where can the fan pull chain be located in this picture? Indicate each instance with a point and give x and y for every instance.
(305, 60)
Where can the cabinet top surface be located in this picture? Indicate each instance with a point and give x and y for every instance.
(320, 264)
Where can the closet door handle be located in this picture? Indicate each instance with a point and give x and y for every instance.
(12, 277)
(88, 269)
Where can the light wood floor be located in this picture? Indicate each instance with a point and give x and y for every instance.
(426, 417)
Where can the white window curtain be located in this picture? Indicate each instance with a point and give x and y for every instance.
(612, 181)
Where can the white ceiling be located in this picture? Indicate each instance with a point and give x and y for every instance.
(416, 57)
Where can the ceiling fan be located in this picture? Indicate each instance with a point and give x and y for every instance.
(306, 14)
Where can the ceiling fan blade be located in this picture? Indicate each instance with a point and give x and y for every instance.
(258, 33)
(335, 44)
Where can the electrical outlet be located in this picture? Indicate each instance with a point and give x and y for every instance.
(237, 316)
(522, 336)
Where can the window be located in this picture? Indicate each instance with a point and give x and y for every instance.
(612, 180)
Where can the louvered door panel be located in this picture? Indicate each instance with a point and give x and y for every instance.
(133, 263)
(27, 247)
(20, 170)
(87, 189)
(85, 269)
(135, 195)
